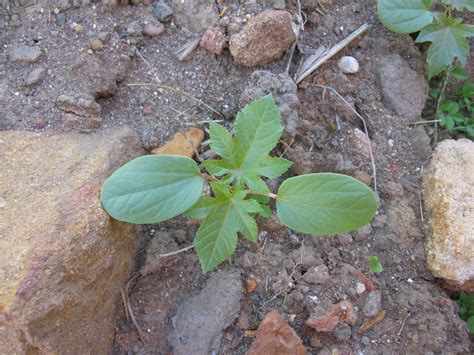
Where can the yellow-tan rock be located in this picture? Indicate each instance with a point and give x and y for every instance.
(449, 200)
(182, 143)
(63, 260)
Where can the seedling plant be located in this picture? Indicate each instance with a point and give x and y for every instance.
(155, 188)
(374, 264)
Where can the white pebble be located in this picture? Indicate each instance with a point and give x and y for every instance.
(348, 65)
(360, 288)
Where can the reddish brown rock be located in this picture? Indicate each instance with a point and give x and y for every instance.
(275, 336)
(264, 39)
(213, 40)
(345, 312)
(324, 324)
(63, 258)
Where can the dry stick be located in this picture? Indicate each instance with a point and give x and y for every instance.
(403, 324)
(372, 160)
(333, 51)
(438, 104)
(181, 92)
(189, 247)
(128, 306)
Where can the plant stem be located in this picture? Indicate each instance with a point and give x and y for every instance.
(209, 177)
(438, 104)
(268, 194)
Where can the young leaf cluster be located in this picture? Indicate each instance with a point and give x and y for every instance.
(456, 109)
(447, 34)
(374, 264)
(466, 309)
(155, 188)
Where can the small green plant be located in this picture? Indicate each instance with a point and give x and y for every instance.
(374, 264)
(447, 34)
(456, 109)
(466, 309)
(155, 188)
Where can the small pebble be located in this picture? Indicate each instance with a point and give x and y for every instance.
(79, 29)
(153, 30)
(348, 65)
(365, 340)
(39, 123)
(360, 288)
(36, 105)
(96, 45)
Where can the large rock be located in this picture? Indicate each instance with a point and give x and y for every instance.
(200, 321)
(404, 90)
(264, 39)
(63, 259)
(449, 199)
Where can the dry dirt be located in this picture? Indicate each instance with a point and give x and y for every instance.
(419, 317)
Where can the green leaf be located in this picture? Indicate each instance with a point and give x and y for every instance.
(405, 16)
(460, 4)
(152, 189)
(221, 141)
(245, 157)
(325, 203)
(266, 211)
(448, 41)
(460, 73)
(226, 214)
(374, 264)
(470, 323)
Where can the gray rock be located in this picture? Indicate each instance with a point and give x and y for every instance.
(279, 4)
(404, 90)
(200, 321)
(162, 11)
(283, 89)
(153, 29)
(79, 104)
(163, 242)
(195, 15)
(25, 54)
(36, 75)
(348, 65)
(317, 275)
(420, 142)
(365, 340)
(109, 5)
(373, 304)
(343, 332)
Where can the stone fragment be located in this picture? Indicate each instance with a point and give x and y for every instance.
(449, 200)
(345, 311)
(78, 28)
(81, 105)
(63, 258)
(153, 29)
(324, 324)
(213, 40)
(162, 242)
(25, 54)
(36, 76)
(183, 144)
(162, 11)
(195, 15)
(200, 321)
(373, 304)
(264, 39)
(317, 275)
(348, 65)
(250, 285)
(275, 336)
(404, 90)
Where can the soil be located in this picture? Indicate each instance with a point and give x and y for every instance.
(419, 315)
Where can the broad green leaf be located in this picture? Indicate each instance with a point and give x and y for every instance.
(405, 16)
(448, 41)
(271, 167)
(152, 189)
(221, 141)
(202, 208)
(325, 203)
(460, 73)
(266, 211)
(460, 4)
(225, 215)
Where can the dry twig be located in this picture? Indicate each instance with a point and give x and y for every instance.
(128, 307)
(331, 52)
(180, 92)
(189, 247)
